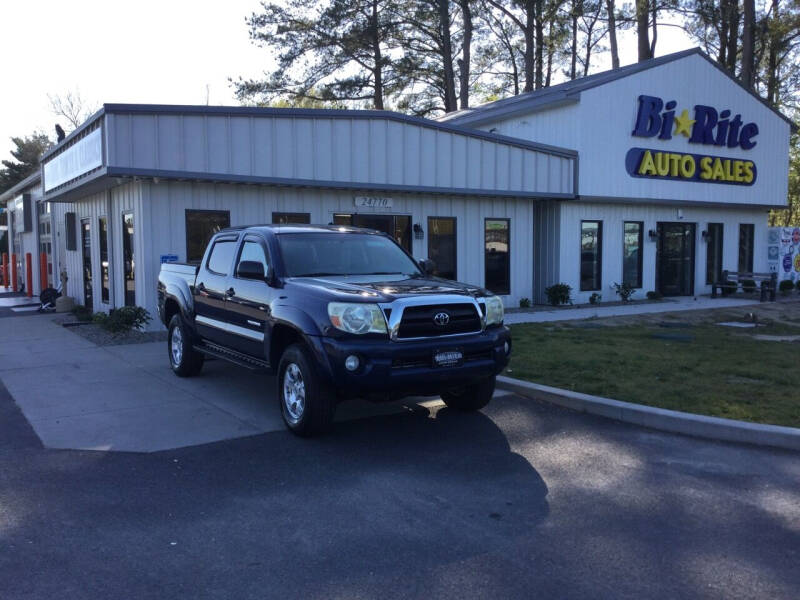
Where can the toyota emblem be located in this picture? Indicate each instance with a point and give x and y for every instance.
(441, 319)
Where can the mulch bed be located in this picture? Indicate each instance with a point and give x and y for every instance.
(100, 337)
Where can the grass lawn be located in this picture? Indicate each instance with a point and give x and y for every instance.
(705, 368)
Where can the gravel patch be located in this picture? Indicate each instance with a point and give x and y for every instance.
(100, 337)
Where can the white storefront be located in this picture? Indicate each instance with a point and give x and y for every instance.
(138, 185)
(687, 219)
(589, 183)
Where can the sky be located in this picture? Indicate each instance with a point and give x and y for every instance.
(154, 52)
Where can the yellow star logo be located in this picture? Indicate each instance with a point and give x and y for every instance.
(683, 124)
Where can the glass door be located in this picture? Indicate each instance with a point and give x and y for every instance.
(675, 259)
(86, 250)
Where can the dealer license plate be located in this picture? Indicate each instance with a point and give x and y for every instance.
(448, 358)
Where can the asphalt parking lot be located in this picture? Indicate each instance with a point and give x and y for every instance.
(521, 500)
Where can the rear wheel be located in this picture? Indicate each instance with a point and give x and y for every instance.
(471, 397)
(184, 360)
(307, 403)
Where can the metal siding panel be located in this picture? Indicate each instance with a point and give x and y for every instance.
(444, 159)
(502, 166)
(377, 153)
(283, 141)
(323, 149)
(194, 143)
(343, 150)
(474, 163)
(168, 133)
(263, 147)
(413, 155)
(304, 148)
(217, 145)
(143, 131)
(428, 153)
(240, 145)
(360, 148)
(395, 149)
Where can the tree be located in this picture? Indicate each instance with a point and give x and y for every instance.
(748, 42)
(338, 50)
(643, 30)
(73, 107)
(27, 153)
(612, 33)
(465, 62)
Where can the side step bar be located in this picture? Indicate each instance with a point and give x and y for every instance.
(237, 358)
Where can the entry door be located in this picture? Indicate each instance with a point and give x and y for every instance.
(675, 259)
(395, 226)
(86, 250)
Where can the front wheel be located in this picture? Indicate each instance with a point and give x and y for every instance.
(307, 403)
(184, 360)
(471, 397)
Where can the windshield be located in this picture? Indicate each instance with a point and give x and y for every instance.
(321, 254)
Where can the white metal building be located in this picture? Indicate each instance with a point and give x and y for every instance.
(665, 225)
(546, 187)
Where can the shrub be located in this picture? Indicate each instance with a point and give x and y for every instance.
(524, 302)
(559, 293)
(786, 286)
(82, 313)
(122, 320)
(749, 286)
(798, 285)
(625, 291)
(654, 295)
(727, 288)
(595, 298)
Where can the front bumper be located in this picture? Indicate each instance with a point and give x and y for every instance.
(391, 370)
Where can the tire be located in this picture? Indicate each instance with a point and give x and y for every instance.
(307, 403)
(470, 397)
(184, 360)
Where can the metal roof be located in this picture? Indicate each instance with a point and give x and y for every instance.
(569, 92)
(29, 181)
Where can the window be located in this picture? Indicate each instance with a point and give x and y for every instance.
(632, 253)
(442, 245)
(128, 259)
(104, 282)
(219, 261)
(746, 233)
(396, 226)
(591, 255)
(714, 253)
(284, 218)
(201, 225)
(253, 251)
(496, 253)
(321, 254)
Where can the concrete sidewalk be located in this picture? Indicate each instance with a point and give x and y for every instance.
(599, 311)
(78, 395)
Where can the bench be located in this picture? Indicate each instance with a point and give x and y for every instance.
(731, 281)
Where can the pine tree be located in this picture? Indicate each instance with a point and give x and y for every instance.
(26, 155)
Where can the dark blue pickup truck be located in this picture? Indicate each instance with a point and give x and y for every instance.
(335, 312)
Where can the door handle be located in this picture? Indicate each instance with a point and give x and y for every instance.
(230, 292)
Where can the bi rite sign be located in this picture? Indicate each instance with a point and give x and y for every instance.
(657, 119)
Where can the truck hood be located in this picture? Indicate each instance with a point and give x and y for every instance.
(385, 288)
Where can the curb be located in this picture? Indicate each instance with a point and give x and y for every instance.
(714, 428)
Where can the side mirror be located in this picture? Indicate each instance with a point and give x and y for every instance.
(251, 269)
(427, 265)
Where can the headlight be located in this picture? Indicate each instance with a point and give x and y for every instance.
(494, 310)
(357, 318)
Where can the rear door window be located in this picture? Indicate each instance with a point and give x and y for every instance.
(221, 257)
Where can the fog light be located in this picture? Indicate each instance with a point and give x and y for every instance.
(506, 348)
(351, 362)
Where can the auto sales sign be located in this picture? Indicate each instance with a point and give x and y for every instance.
(703, 126)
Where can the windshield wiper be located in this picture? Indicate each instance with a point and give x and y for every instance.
(386, 273)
